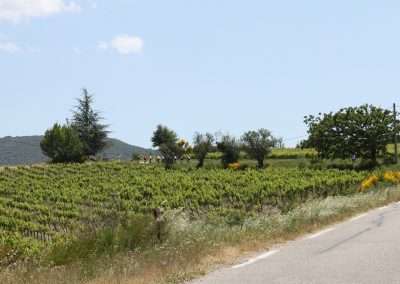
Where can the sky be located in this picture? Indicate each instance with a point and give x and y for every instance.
(206, 66)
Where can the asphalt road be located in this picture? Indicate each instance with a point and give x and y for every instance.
(365, 249)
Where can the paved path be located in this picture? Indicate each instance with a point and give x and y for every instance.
(365, 249)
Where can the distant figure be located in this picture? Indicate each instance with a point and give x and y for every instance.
(145, 159)
(150, 157)
(175, 159)
(158, 159)
(353, 159)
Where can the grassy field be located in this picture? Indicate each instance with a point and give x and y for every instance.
(277, 153)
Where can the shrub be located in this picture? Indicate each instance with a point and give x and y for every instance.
(230, 149)
(372, 180)
(62, 144)
(238, 166)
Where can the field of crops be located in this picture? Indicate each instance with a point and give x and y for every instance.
(276, 153)
(40, 203)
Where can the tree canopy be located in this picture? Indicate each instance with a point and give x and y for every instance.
(230, 148)
(202, 144)
(86, 121)
(364, 131)
(167, 142)
(62, 144)
(258, 144)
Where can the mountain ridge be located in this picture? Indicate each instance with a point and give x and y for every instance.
(25, 150)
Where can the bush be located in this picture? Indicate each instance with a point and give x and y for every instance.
(238, 166)
(230, 149)
(62, 144)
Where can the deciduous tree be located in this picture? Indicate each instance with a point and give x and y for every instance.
(230, 148)
(364, 131)
(258, 144)
(202, 144)
(167, 142)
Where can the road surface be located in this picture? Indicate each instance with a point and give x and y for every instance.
(365, 249)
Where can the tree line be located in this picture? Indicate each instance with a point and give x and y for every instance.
(363, 132)
(257, 144)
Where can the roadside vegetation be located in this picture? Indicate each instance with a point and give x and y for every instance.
(175, 214)
(132, 252)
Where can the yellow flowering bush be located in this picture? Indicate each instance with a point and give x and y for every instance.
(372, 180)
(389, 176)
(234, 166)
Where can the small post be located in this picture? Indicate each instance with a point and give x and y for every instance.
(157, 216)
(396, 154)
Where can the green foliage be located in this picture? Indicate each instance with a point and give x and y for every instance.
(86, 122)
(50, 204)
(167, 142)
(364, 131)
(258, 144)
(203, 143)
(230, 149)
(26, 150)
(136, 156)
(292, 153)
(276, 153)
(62, 144)
(139, 231)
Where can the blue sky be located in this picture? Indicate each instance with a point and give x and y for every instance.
(211, 65)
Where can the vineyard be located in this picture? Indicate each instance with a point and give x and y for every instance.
(39, 204)
(276, 153)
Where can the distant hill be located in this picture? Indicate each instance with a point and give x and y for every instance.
(26, 150)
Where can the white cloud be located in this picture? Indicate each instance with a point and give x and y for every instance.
(9, 47)
(21, 10)
(103, 45)
(127, 44)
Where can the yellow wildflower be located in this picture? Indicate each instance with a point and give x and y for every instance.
(368, 182)
(389, 176)
(234, 166)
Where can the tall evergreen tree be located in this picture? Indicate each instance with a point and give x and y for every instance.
(86, 121)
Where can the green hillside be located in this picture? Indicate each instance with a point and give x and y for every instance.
(26, 150)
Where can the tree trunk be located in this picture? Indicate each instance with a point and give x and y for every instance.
(200, 164)
(373, 155)
(260, 165)
(169, 162)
